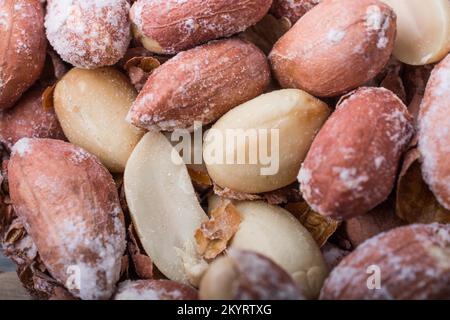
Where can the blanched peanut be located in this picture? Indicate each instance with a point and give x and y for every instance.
(284, 122)
(164, 208)
(275, 233)
(91, 106)
(423, 30)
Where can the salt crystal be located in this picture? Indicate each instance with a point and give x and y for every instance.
(22, 147)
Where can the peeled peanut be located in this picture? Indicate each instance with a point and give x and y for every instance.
(275, 233)
(293, 115)
(423, 30)
(164, 208)
(91, 106)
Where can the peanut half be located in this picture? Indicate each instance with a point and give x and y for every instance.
(276, 234)
(164, 208)
(91, 106)
(264, 141)
(423, 30)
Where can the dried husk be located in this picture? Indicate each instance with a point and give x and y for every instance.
(415, 79)
(200, 179)
(139, 69)
(213, 235)
(266, 32)
(143, 265)
(415, 202)
(281, 196)
(320, 227)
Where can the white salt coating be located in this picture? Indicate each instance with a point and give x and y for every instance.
(97, 276)
(434, 133)
(4, 17)
(89, 33)
(22, 147)
(79, 155)
(335, 36)
(137, 290)
(396, 120)
(351, 178)
(351, 273)
(26, 47)
(377, 21)
(136, 14)
(90, 243)
(379, 161)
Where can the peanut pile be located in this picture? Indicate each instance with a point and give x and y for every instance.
(225, 149)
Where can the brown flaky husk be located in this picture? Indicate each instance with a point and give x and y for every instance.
(213, 235)
(320, 227)
(139, 63)
(281, 196)
(415, 201)
(266, 32)
(391, 78)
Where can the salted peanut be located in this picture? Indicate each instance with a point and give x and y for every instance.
(259, 146)
(434, 133)
(292, 9)
(171, 26)
(407, 263)
(247, 275)
(70, 207)
(352, 164)
(89, 33)
(201, 84)
(337, 46)
(164, 208)
(276, 234)
(423, 30)
(154, 290)
(29, 119)
(22, 48)
(91, 106)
